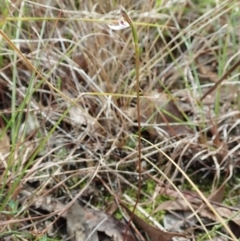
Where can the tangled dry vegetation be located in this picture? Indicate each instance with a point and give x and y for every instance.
(69, 120)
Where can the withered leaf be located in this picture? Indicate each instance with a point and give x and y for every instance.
(4, 143)
(173, 205)
(158, 108)
(109, 225)
(98, 220)
(218, 195)
(180, 204)
(77, 226)
(154, 233)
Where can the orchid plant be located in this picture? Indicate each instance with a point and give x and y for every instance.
(126, 22)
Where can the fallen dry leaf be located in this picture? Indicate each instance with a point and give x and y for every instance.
(206, 70)
(218, 195)
(227, 213)
(81, 61)
(4, 150)
(191, 196)
(98, 220)
(109, 225)
(177, 222)
(158, 108)
(235, 229)
(77, 226)
(181, 205)
(174, 205)
(154, 233)
(4, 143)
(79, 116)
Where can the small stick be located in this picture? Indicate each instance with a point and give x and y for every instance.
(220, 80)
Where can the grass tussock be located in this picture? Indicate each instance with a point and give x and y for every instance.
(68, 123)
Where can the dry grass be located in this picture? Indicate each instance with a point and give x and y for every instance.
(68, 102)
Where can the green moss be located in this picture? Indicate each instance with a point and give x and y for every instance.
(118, 215)
(45, 238)
(203, 184)
(150, 186)
(131, 142)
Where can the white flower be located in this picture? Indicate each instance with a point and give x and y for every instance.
(122, 24)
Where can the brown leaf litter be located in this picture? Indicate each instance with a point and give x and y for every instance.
(77, 226)
(154, 233)
(158, 109)
(85, 223)
(216, 198)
